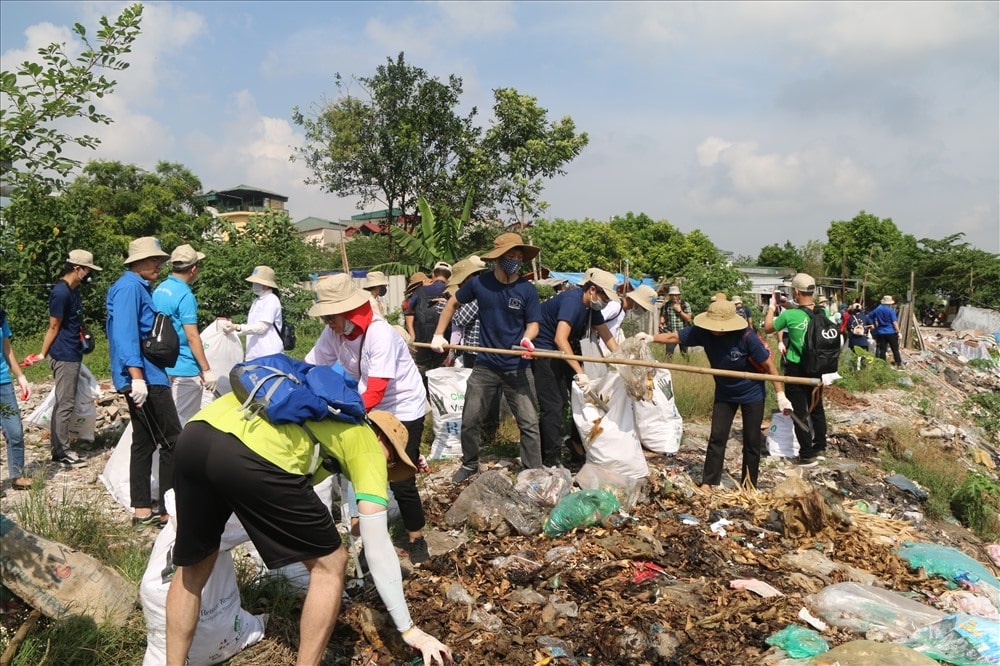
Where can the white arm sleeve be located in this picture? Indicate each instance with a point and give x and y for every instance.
(258, 328)
(384, 565)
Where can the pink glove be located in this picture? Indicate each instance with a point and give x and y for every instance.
(31, 359)
(22, 381)
(529, 346)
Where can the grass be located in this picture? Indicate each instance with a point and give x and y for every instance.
(984, 410)
(863, 373)
(977, 504)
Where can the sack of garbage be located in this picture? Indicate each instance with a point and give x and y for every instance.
(491, 503)
(960, 639)
(624, 488)
(545, 486)
(580, 509)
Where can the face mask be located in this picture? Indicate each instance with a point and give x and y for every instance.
(348, 327)
(509, 266)
(598, 305)
(87, 279)
(258, 289)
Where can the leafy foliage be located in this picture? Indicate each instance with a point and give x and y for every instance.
(977, 504)
(38, 95)
(433, 240)
(786, 256)
(703, 279)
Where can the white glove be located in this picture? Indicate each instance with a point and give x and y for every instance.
(781, 348)
(643, 337)
(208, 377)
(139, 392)
(225, 326)
(431, 648)
(437, 343)
(529, 346)
(784, 404)
(582, 381)
(22, 381)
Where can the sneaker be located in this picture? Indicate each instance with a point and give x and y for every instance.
(808, 462)
(463, 473)
(69, 459)
(146, 521)
(418, 551)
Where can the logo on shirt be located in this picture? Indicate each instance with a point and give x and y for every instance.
(514, 303)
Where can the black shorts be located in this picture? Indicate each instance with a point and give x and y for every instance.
(216, 475)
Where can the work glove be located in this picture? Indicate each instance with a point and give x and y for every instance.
(582, 381)
(433, 650)
(32, 359)
(529, 346)
(422, 465)
(208, 377)
(22, 381)
(781, 348)
(225, 326)
(784, 404)
(643, 337)
(437, 343)
(139, 392)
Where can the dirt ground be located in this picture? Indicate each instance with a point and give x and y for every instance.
(652, 588)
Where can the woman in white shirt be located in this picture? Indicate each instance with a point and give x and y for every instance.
(264, 319)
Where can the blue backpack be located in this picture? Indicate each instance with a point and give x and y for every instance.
(284, 390)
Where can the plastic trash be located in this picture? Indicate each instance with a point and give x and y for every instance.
(758, 587)
(858, 653)
(626, 489)
(944, 561)
(557, 649)
(798, 642)
(559, 553)
(580, 509)
(490, 502)
(871, 611)
(907, 485)
(545, 486)
(960, 639)
(457, 593)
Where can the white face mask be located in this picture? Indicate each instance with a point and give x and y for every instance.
(348, 326)
(259, 289)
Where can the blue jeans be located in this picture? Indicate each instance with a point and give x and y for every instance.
(13, 430)
(519, 390)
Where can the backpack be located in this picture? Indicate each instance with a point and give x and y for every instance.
(162, 346)
(283, 390)
(857, 325)
(425, 317)
(821, 345)
(287, 335)
(758, 367)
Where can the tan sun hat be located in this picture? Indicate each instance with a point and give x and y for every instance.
(718, 296)
(376, 279)
(737, 300)
(82, 258)
(803, 282)
(645, 296)
(143, 248)
(603, 279)
(397, 435)
(185, 255)
(674, 289)
(263, 275)
(888, 300)
(721, 316)
(416, 280)
(464, 269)
(337, 294)
(506, 242)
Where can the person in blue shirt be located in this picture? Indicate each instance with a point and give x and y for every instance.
(509, 312)
(567, 318)
(191, 375)
(10, 413)
(886, 329)
(730, 345)
(146, 387)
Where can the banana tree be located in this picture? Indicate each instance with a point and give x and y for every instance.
(434, 239)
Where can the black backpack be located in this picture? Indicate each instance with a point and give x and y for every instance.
(821, 346)
(287, 335)
(425, 317)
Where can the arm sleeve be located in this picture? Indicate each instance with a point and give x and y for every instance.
(384, 565)
(374, 392)
(260, 328)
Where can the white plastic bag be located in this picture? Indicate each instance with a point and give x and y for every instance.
(781, 440)
(657, 421)
(609, 436)
(116, 475)
(222, 352)
(446, 394)
(84, 422)
(865, 609)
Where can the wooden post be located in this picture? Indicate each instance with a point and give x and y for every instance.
(343, 255)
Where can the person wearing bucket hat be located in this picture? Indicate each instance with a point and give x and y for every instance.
(465, 322)
(676, 315)
(743, 310)
(640, 301)
(265, 319)
(372, 352)
(509, 312)
(731, 345)
(145, 385)
(885, 323)
(264, 474)
(62, 346)
(421, 315)
(191, 375)
(377, 285)
(565, 319)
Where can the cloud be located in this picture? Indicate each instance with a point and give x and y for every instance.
(39, 36)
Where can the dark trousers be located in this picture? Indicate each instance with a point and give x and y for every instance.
(405, 492)
(154, 426)
(812, 439)
(553, 379)
(722, 422)
(892, 341)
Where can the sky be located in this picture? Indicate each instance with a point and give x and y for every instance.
(756, 123)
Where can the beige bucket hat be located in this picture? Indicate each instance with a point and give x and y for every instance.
(888, 300)
(506, 242)
(337, 294)
(143, 248)
(396, 433)
(674, 289)
(185, 255)
(82, 258)
(376, 279)
(603, 279)
(416, 280)
(804, 282)
(263, 275)
(464, 269)
(645, 296)
(721, 316)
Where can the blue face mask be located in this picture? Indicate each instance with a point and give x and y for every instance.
(509, 266)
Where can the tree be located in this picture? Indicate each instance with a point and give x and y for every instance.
(523, 149)
(703, 279)
(37, 96)
(849, 243)
(787, 256)
(434, 239)
(403, 141)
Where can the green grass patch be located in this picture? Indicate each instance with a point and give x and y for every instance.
(977, 504)
(984, 410)
(863, 373)
(924, 462)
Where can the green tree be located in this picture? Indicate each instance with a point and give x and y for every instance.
(39, 95)
(850, 242)
(434, 239)
(569, 245)
(703, 279)
(522, 149)
(652, 247)
(402, 141)
(786, 256)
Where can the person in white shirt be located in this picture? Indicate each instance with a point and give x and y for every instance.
(264, 319)
(371, 351)
(377, 284)
(643, 297)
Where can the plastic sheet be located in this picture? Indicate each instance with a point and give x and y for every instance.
(490, 502)
(960, 639)
(872, 611)
(546, 486)
(944, 561)
(593, 476)
(857, 653)
(580, 509)
(798, 642)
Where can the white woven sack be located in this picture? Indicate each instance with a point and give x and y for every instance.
(609, 435)
(781, 440)
(222, 351)
(446, 394)
(657, 421)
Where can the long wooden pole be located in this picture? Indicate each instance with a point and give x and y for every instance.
(538, 353)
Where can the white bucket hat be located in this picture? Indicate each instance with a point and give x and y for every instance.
(82, 258)
(674, 289)
(645, 296)
(143, 248)
(603, 279)
(376, 279)
(263, 275)
(888, 300)
(337, 294)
